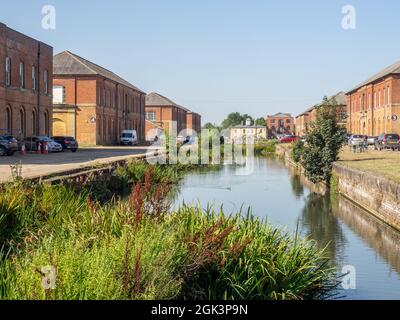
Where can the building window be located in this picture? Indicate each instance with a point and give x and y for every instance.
(46, 82)
(8, 71)
(34, 78)
(34, 122)
(8, 121)
(58, 95)
(151, 116)
(22, 122)
(46, 123)
(388, 95)
(21, 75)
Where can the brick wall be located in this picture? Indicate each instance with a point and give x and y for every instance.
(25, 110)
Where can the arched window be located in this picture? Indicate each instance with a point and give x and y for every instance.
(46, 123)
(8, 121)
(22, 122)
(34, 123)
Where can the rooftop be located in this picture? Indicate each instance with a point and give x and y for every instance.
(156, 99)
(393, 69)
(68, 63)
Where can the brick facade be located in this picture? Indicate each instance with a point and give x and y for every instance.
(95, 109)
(280, 123)
(374, 106)
(193, 121)
(25, 102)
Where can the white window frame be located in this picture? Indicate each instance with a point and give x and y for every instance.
(8, 71)
(21, 74)
(34, 81)
(151, 118)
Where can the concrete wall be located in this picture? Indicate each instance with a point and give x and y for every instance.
(378, 195)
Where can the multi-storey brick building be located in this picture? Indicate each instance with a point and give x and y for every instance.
(164, 111)
(374, 105)
(25, 85)
(280, 123)
(92, 103)
(304, 120)
(193, 121)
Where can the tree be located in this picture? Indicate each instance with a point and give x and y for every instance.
(260, 122)
(209, 126)
(233, 119)
(323, 143)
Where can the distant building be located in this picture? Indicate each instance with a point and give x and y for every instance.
(92, 103)
(305, 119)
(193, 122)
(25, 85)
(248, 132)
(374, 105)
(280, 123)
(163, 111)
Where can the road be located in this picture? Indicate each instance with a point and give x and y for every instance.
(34, 165)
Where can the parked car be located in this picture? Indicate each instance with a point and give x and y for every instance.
(32, 142)
(67, 143)
(372, 140)
(8, 145)
(128, 137)
(288, 139)
(388, 141)
(357, 139)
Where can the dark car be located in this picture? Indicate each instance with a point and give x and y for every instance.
(31, 144)
(388, 141)
(8, 145)
(68, 143)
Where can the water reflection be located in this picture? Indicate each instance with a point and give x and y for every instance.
(288, 200)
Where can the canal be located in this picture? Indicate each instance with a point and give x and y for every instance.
(281, 196)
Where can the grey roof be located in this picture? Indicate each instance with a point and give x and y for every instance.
(393, 69)
(340, 99)
(156, 99)
(68, 63)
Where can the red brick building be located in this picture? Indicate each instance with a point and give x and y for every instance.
(25, 85)
(193, 121)
(374, 105)
(163, 111)
(92, 103)
(280, 123)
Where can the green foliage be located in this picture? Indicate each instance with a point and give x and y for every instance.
(323, 143)
(235, 119)
(265, 148)
(260, 122)
(297, 151)
(112, 251)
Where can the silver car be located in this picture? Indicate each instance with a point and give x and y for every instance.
(357, 140)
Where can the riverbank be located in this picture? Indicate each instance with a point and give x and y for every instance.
(139, 248)
(370, 189)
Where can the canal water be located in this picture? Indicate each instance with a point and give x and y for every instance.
(278, 194)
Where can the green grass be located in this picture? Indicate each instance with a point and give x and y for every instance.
(100, 253)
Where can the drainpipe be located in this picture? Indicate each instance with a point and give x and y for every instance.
(75, 109)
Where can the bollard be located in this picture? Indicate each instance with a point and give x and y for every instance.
(23, 149)
(39, 148)
(45, 148)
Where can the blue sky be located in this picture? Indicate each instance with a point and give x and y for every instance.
(218, 56)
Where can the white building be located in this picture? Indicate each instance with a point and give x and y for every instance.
(247, 133)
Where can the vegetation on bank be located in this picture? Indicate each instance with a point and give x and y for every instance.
(323, 143)
(138, 248)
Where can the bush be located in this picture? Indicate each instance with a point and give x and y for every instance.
(297, 151)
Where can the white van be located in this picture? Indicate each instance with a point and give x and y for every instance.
(128, 137)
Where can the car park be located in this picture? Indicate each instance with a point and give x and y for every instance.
(8, 145)
(67, 143)
(388, 141)
(31, 144)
